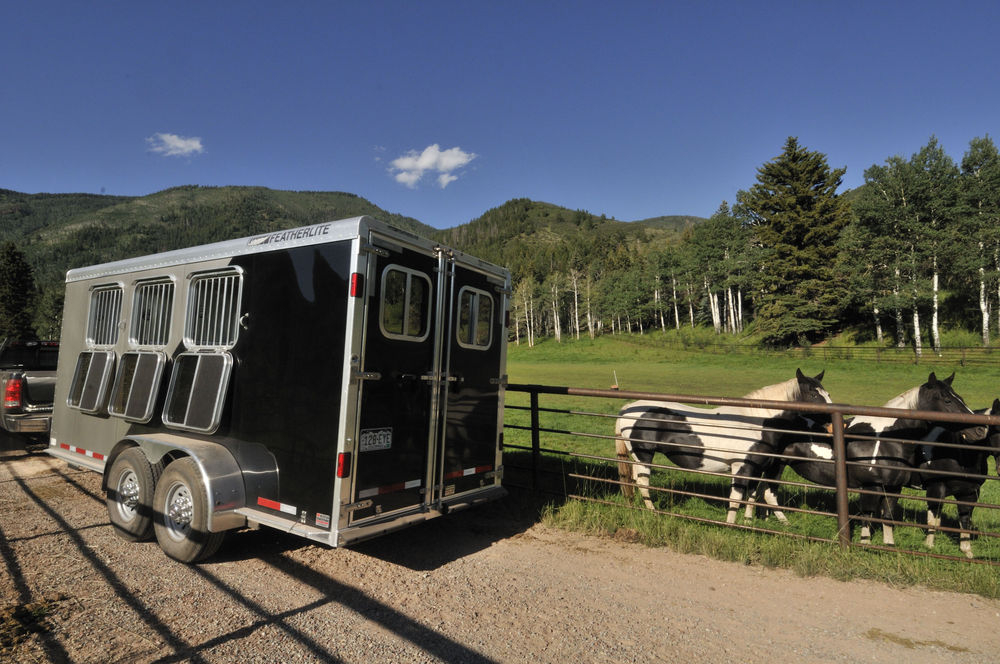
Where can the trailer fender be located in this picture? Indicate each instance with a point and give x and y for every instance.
(221, 473)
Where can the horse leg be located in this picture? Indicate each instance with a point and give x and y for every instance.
(770, 496)
(935, 492)
(868, 506)
(965, 520)
(640, 474)
(889, 514)
(738, 490)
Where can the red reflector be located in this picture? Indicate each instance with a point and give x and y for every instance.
(12, 394)
(357, 282)
(343, 464)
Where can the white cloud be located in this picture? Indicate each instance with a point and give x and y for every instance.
(411, 167)
(172, 145)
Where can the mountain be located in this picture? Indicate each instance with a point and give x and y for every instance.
(57, 232)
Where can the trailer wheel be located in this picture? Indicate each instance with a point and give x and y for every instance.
(181, 513)
(131, 483)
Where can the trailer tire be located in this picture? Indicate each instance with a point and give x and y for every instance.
(181, 513)
(131, 483)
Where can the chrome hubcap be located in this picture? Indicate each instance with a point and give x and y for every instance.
(179, 511)
(128, 494)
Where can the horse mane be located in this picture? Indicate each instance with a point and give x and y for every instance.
(907, 400)
(786, 391)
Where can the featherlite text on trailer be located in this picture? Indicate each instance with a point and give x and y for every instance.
(336, 381)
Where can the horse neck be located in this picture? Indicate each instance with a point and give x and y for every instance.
(786, 391)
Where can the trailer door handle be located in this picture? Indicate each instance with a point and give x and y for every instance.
(367, 375)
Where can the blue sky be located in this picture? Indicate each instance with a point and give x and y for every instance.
(443, 110)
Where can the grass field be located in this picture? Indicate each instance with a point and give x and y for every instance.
(646, 363)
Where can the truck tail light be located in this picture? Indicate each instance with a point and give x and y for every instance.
(12, 393)
(357, 284)
(343, 464)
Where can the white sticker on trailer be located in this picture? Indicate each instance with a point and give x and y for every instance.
(376, 439)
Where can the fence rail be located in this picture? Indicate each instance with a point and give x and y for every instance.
(578, 435)
(966, 356)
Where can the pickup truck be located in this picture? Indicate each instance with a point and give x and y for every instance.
(27, 383)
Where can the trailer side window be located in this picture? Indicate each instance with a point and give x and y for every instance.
(152, 307)
(105, 310)
(136, 385)
(89, 389)
(213, 310)
(90, 380)
(405, 308)
(137, 382)
(475, 318)
(197, 391)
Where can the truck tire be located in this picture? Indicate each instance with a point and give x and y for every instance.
(181, 513)
(131, 483)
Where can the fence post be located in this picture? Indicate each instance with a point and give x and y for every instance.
(536, 450)
(840, 469)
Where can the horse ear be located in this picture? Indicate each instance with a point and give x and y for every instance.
(996, 404)
(950, 378)
(932, 378)
(819, 377)
(799, 375)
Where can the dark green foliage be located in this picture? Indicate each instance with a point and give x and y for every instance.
(796, 217)
(17, 294)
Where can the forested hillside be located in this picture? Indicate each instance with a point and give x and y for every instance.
(791, 261)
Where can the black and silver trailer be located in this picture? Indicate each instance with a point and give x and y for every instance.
(335, 381)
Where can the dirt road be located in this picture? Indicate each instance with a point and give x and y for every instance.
(482, 586)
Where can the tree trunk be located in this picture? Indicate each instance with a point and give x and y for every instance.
(878, 325)
(900, 327)
(590, 318)
(555, 312)
(935, 333)
(677, 314)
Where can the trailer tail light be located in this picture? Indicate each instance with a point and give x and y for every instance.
(12, 393)
(343, 464)
(357, 284)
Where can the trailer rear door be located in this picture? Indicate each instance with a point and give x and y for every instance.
(430, 393)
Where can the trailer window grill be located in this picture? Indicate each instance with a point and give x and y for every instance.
(105, 311)
(405, 306)
(152, 307)
(213, 310)
(475, 319)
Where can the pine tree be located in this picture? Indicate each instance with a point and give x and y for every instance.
(795, 217)
(17, 292)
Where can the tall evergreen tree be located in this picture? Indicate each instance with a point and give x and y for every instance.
(17, 292)
(795, 216)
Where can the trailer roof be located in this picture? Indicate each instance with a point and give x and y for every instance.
(330, 231)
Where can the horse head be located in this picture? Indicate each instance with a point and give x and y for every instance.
(938, 395)
(811, 390)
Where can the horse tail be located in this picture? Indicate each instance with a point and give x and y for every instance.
(625, 463)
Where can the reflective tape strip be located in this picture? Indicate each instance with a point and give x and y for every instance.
(275, 505)
(389, 488)
(467, 471)
(83, 452)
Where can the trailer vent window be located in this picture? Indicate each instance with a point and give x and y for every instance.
(136, 385)
(90, 380)
(475, 318)
(105, 310)
(197, 391)
(406, 304)
(213, 310)
(152, 305)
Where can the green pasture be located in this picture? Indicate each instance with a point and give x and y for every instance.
(581, 443)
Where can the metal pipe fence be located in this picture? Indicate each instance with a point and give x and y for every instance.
(964, 356)
(577, 461)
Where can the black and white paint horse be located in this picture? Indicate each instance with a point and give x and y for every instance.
(969, 467)
(882, 453)
(727, 439)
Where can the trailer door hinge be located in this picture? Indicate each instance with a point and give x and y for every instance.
(360, 505)
(366, 375)
(372, 249)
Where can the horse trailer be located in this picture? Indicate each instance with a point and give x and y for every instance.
(335, 381)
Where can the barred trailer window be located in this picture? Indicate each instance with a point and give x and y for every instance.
(105, 310)
(213, 310)
(152, 308)
(475, 318)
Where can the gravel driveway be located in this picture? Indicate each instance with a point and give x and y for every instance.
(488, 585)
